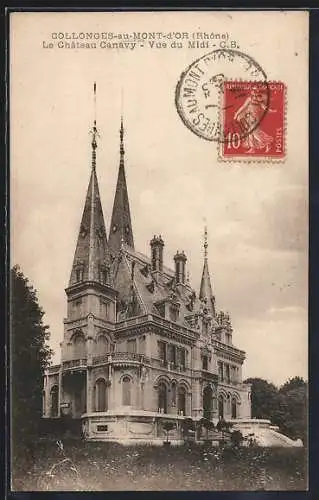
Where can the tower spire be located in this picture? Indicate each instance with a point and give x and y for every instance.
(92, 256)
(94, 131)
(205, 242)
(121, 232)
(206, 291)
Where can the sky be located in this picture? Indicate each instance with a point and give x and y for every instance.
(256, 214)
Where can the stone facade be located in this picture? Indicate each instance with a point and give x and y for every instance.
(140, 345)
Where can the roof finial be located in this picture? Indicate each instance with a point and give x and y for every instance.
(205, 242)
(94, 131)
(122, 152)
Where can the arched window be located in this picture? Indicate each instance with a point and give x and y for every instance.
(100, 395)
(181, 404)
(207, 402)
(162, 397)
(54, 401)
(221, 406)
(102, 345)
(173, 394)
(233, 408)
(126, 383)
(79, 345)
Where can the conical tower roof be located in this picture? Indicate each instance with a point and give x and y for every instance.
(92, 256)
(121, 231)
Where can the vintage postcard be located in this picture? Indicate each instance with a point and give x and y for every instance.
(159, 250)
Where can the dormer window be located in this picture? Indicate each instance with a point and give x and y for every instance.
(79, 273)
(173, 313)
(205, 327)
(228, 338)
(104, 274)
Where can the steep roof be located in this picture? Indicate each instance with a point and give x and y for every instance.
(133, 275)
(121, 227)
(92, 255)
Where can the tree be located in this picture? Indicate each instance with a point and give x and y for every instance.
(30, 356)
(291, 412)
(168, 426)
(207, 424)
(263, 398)
(292, 383)
(188, 426)
(236, 438)
(286, 407)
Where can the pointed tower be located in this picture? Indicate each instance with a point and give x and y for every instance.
(121, 226)
(206, 292)
(90, 293)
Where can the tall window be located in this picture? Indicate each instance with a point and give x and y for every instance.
(181, 405)
(142, 345)
(104, 308)
(205, 362)
(233, 408)
(126, 388)
(221, 406)
(220, 371)
(102, 345)
(77, 307)
(100, 395)
(227, 374)
(172, 354)
(54, 401)
(162, 397)
(79, 346)
(173, 394)
(162, 351)
(131, 345)
(181, 357)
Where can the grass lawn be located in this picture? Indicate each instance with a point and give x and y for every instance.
(111, 467)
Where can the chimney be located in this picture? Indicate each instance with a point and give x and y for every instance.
(157, 246)
(180, 267)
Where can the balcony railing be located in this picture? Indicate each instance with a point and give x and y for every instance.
(74, 363)
(157, 320)
(169, 365)
(53, 369)
(118, 357)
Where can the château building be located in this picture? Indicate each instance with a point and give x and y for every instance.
(140, 344)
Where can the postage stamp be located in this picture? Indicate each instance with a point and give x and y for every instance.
(225, 97)
(198, 95)
(253, 121)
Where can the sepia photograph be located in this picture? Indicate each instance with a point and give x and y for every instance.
(159, 251)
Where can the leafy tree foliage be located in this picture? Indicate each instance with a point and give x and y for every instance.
(291, 414)
(285, 407)
(30, 355)
(263, 398)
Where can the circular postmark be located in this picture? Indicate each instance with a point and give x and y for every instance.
(201, 99)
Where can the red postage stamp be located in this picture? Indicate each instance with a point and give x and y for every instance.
(253, 121)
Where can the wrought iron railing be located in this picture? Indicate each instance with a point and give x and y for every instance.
(119, 357)
(74, 363)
